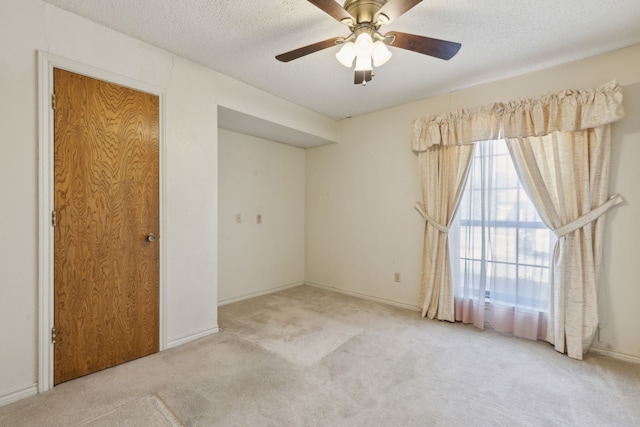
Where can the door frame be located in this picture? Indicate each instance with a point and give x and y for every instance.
(46, 63)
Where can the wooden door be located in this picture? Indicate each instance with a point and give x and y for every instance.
(106, 189)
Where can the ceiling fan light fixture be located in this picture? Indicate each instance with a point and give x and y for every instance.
(363, 63)
(364, 19)
(346, 54)
(380, 54)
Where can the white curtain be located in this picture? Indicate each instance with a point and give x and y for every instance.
(443, 171)
(566, 175)
(548, 118)
(500, 267)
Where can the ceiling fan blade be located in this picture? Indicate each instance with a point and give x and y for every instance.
(306, 50)
(334, 9)
(394, 8)
(433, 47)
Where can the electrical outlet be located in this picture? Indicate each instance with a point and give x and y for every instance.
(238, 218)
(258, 219)
(396, 277)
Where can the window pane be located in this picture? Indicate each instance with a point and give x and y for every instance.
(472, 273)
(504, 172)
(533, 246)
(504, 247)
(506, 205)
(533, 286)
(475, 201)
(503, 281)
(502, 244)
(527, 210)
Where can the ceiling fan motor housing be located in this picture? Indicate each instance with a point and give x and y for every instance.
(364, 11)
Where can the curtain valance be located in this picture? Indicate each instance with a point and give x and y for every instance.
(568, 110)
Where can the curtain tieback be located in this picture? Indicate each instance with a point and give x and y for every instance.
(589, 216)
(420, 208)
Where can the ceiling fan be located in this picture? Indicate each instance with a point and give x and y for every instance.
(365, 44)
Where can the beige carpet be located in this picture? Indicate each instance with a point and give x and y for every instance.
(308, 357)
(301, 336)
(144, 411)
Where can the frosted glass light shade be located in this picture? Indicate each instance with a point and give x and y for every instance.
(363, 63)
(346, 54)
(381, 54)
(364, 44)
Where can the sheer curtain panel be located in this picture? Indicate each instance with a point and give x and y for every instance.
(560, 146)
(501, 266)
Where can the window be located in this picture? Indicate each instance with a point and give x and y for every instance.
(505, 249)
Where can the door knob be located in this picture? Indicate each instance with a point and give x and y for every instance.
(151, 237)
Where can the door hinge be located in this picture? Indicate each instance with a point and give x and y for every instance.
(53, 335)
(54, 219)
(53, 101)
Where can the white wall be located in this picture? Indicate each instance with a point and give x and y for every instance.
(18, 194)
(190, 170)
(258, 176)
(238, 96)
(620, 292)
(191, 200)
(361, 223)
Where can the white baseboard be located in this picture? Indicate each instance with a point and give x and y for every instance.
(16, 395)
(257, 294)
(193, 337)
(363, 296)
(614, 354)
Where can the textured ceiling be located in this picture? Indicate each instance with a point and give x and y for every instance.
(500, 38)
